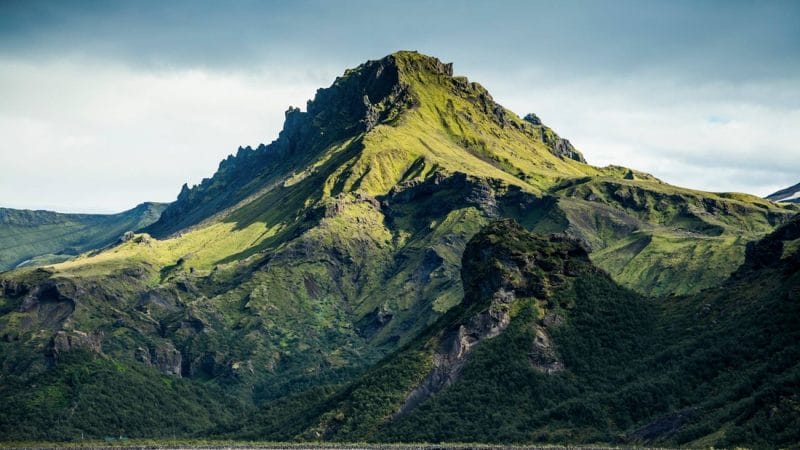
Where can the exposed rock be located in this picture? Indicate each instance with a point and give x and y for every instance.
(499, 114)
(768, 251)
(532, 118)
(473, 191)
(142, 355)
(157, 302)
(64, 342)
(454, 346)
(371, 114)
(488, 266)
(564, 149)
(340, 203)
(552, 320)
(167, 359)
(12, 288)
(164, 357)
(50, 303)
(209, 364)
(430, 262)
(543, 356)
(374, 321)
(482, 195)
(240, 367)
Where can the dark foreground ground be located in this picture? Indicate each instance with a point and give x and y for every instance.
(285, 446)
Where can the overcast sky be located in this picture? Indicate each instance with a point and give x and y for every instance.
(106, 104)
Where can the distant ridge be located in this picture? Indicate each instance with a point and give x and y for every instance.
(31, 237)
(790, 195)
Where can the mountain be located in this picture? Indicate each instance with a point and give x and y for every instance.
(302, 266)
(790, 194)
(545, 347)
(46, 237)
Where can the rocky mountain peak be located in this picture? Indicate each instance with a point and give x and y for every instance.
(505, 259)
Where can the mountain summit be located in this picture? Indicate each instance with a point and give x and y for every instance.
(300, 265)
(388, 121)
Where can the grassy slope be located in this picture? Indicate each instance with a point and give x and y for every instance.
(25, 235)
(661, 239)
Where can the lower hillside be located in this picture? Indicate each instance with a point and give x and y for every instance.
(546, 348)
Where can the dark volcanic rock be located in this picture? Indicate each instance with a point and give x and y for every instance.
(564, 149)
(532, 119)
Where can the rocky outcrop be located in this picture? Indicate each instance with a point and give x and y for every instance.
(769, 251)
(49, 304)
(504, 256)
(543, 356)
(12, 288)
(564, 149)
(164, 357)
(455, 344)
(502, 263)
(472, 191)
(69, 341)
(338, 205)
(374, 321)
(532, 119)
(167, 359)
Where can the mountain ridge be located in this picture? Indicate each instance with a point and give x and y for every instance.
(38, 236)
(375, 93)
(301, 265)
(789, 194)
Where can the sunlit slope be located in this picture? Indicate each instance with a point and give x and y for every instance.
(386, 210)
(662, 239)
(403, 119)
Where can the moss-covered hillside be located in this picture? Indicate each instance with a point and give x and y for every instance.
(546, 348)
(301, 264)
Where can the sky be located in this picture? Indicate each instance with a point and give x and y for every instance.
(105, 104)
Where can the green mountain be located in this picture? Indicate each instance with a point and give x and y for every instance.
(45, 237)
(284, 284)
(545, 347)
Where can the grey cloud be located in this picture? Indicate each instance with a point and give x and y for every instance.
(730, 40)
(703, 94)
